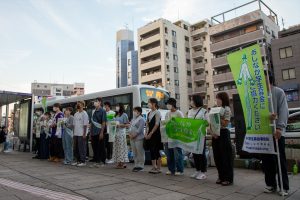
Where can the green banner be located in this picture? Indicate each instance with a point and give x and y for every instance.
(248, 73)
(44, 103)
(188, 134)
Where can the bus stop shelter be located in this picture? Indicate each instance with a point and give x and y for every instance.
(8, 97)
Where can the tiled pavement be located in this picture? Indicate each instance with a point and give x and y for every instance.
(36, 179)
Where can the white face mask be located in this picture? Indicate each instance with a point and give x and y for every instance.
(150, 105)
(135, 114)
(54, 109)
(96, 104)
(169, 107)
(117, 108)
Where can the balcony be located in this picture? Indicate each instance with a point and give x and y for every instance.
(198, 54)
(223, 78)
(229, 92)
(151, 64)
(199, 66)
(197, 43)
(237, 41)
(151, 77)
(200, 78)
(150, 40)
(203, 30)
(201, 90)
(222, 61)
(150, 52)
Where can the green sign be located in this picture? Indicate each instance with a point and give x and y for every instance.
(188, 134)
(44, 103)
(248, 73)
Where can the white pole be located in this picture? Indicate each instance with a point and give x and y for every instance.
(31, 122)
(276, 140)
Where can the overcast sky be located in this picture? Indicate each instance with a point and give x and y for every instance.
(67, 41)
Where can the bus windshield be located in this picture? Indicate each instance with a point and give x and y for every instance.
(161, 96)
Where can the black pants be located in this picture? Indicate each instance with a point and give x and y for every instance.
(80, 148)
(38, 147)
(98, 149)
(200, 160)
(108, 147)
(44, 147)
(222, 151)
(56, 148)
(270, 167)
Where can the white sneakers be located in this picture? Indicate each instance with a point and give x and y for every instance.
(111, 161)
(198, 175)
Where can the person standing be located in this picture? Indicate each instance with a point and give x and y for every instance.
(174, 155)
(56, 149)
(198, 112)
(67, 137)
(37, 129)
(120, 151)
(110, 115)
(137, 139)
(222, 148)
(45, 135)
(98, 121)
(153, 136)
(81, 121)
(270, 164)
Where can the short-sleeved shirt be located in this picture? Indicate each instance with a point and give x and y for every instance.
(81, 119)
(199, 113)
(170, 114)
(55, 120)
(98, 116)
(123, 119)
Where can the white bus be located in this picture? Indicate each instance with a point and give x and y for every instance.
(131, 97)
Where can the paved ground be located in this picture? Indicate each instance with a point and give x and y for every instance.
(24, 178)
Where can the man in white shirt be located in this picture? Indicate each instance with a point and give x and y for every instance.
(81, 121)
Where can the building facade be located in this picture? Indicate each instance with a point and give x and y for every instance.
(54, 89)
(125, 43)
(228, 36)
(286, 63)
(132, 68)
(165, 59)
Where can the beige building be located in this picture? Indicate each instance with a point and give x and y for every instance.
(165, 59)
(240, 32)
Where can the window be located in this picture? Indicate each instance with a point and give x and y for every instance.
(292, 96)
(175, 57)
(167, 43)
(187, 49)
(288, 74)
(186, 38)
(174, 33)
(168, 68)
(205, 50)
(167, 55)
(189, 73)
(176, 69)
(176, 82)
(129, 75)
(285, 52)
(268, 30)
(190, 85)
(177, 96)
(208, 98)
(188, 61)
(168, 81)
(185, 27)
(38, 86)
(174, 44)
(129, 62)
(207, 84)
(166, 30)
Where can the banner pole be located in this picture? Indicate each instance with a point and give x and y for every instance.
(276, 140)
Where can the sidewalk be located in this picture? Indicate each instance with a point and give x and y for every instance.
(36, 179)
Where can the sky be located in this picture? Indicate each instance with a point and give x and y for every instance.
(67, 41)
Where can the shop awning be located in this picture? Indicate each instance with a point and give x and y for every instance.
(8, 97)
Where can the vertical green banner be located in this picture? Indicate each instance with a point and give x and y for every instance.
(44, 103)
(248, 73)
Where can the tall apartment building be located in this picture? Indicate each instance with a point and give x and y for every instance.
(164, 58)
(201, 61)
(132, 68)
(230, 35)
(286, 63)
(125, 43)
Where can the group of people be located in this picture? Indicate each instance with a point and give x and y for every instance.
(6, 137)
(67, 136)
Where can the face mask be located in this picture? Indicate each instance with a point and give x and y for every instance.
(135, 114)
(117, 108)
(192, 104)
(169, 107)
(150, 105)
(54, 109)
(96, 104)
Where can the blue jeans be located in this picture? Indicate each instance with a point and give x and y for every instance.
(175, 159)
(67, 141)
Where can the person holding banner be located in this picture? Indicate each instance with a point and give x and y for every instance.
(120, 151)
(221, 143)
(198, 112)
(153, 136)
(270, 165)
(174, 155)
(98, 121)
(136, 135)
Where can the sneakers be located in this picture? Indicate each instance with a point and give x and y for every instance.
(269, 189)
(195, 174)
(67, 163)
(81, 164)
(178, 173)
(74, 163)
(137, 169)
(201, 176)
(111, 161)
(168, 173)
(283, 193)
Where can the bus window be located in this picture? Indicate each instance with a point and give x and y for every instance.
(293, 123)
(160, 95)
